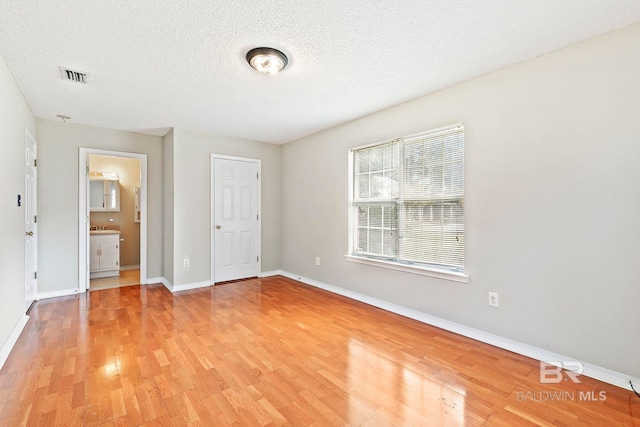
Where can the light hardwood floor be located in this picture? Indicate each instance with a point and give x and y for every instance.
(126, 278)
(273, 352)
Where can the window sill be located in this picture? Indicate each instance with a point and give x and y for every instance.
(424, 271)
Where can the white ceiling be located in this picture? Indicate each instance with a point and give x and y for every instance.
(159, 64)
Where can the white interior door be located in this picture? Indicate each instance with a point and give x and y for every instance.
(236, 235)
(30, 219)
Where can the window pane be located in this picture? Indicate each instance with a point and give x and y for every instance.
(434, 233)
(376, 230)
(425, 223)
(375, 216)
(362, 161)
(390, 156)
(449, 181)
(433, 151)
(391, 217)
(416, 181)
(362, 240)
(433, 226)
(434, 178)
(413, 155)
(392, 184)
(376, 172)
(363, 216)
(459, 179)
(377, 185)
(377, 159)
(450, 147)
(390, 243)
(375, 241)
(362, 186)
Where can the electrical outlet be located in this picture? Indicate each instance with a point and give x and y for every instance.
(317, 260)
(186, 262)
(494, 300)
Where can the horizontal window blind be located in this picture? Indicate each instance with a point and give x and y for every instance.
(408, 199)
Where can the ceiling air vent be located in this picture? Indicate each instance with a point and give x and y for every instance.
(74, 76)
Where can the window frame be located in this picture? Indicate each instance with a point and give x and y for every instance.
(425, 269)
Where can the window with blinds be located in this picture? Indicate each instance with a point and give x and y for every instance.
(408, 199)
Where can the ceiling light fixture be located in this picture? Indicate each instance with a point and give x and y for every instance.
(267, 60)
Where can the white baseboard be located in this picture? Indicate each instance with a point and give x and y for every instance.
(593, 371)
(55, 294)
(177, 288)
(194, 285)
(130, 267)
(12, 339)
(167, 284)
(271, 273)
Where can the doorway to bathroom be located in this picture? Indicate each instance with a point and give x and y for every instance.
(112, 219)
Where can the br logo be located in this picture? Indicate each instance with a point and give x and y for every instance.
(555, 372)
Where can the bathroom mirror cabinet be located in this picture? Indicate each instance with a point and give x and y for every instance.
(104, 194)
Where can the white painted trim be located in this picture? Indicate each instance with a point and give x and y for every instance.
(271, 273)
(130, 267)
(194, 285)
(177, 288)
(258, 162)
(12, 339)
(60, 293)
(593, 371)
(28, 136)
(350, 201)
(83, 212)
(167, 284)
(154, 280)
(415, 269)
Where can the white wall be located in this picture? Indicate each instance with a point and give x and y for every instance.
(15, 116)
(191, 165)
(58, 145)
(552, 202)
(178, 172)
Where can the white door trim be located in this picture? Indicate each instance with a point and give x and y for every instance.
(28, 138)
(212, 199)
(83, 213)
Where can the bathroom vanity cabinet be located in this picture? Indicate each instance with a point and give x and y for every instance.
(104, 254)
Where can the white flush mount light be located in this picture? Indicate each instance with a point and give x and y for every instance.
(267, 60)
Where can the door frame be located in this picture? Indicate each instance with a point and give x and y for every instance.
(29, 138)
(83, 212)
(212, 212)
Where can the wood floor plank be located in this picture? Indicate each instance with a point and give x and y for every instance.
(270, 352)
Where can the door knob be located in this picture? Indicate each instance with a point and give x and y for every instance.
(218, 227)
(29, 233)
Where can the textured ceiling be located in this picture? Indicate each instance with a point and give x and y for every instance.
(154, 65)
